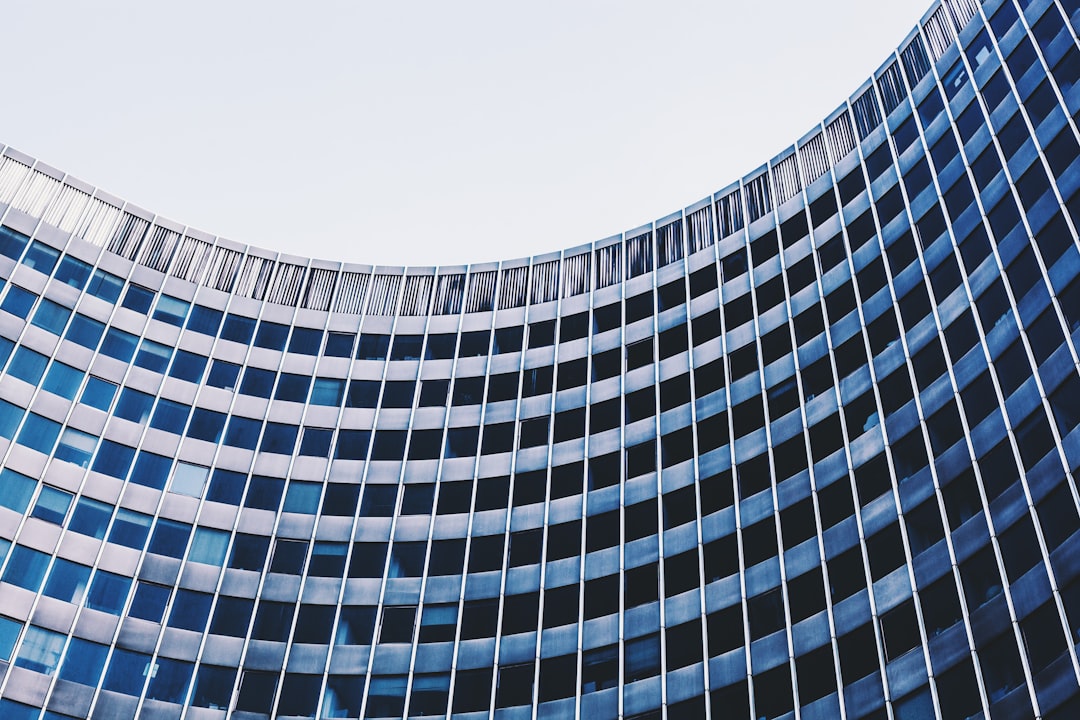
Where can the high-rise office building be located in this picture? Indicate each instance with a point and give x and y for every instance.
(804, 449)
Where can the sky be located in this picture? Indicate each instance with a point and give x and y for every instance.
(424, 133)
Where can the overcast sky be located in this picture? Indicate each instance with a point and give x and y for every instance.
(427, 132)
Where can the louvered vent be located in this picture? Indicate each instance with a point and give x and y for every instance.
(12, 173)
(669, 244)
(287, 282)
(731, 215)
(814, 157)
(841, 137)
(97, 224)
(639, 258)
(576, 274)
(159, 247)
(891, 87)
(962, 11)
(351, 289)
(36, 194)
(416, 295)
(608, 265)
(254, 279)
(383, 296)
(127, 239)
(545, 282)
(699, 225)
(481, 291)
(938, 33)
(758, 198)
(916, 64)
(191, 260)
(320, 289)
(66, 210)
(513, 286)
(222, 268)
(867, 117)
(449, 290)
(786, 179)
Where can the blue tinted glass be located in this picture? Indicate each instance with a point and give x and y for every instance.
(119, 344)
(209, 546)
(127, 672)
(292, 387)
(67, 581)
(279, 438)
(223, 375)
(98, 393)
(204, 320)
(26, 568)
(305, 341)
(134, 405)
(39, 433)
(105, 286)
(84, 331)
(171, 310)
(41, 257)
(243, 432)
(12, 242)
(188, 366)
(40, 651)
(190, 610)
(153, 356)
(76, 447)
(73, 272)
(15, 490)
(169, 681)
(339, 344)
(9, 633)
(264, 493)
(170, 538)
(271, 335)
(257, 382)
(83, 662)
(303, 497)
(149, 602)
(28, 365)
(91, 518)
(227, 486)
(113, 459)
(138, 298)
(151, 470)
(52, 505)
(238, 328)
(316, 442)
(206, 425)
(18, 301)
(6, 346)
(63, 380)
(51, 316)
(130, 528)
(170, 416)
(10, 416)
(327, 391)
(108, 591)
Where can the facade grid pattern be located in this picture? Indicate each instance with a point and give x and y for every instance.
(805, 449)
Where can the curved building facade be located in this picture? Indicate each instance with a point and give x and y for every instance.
(805, 449)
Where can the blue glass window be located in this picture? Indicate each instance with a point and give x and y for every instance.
(105, 286)
(51, 316)
(292, 387)
(242, 432)
(76, 447)
(169, 680)
(41, 257)
(305, 341)
(257, 382)
(130, 529)
(16, 490)
(83, 662)
(52, 505)
(170, 538)
(9, 633)
(189, 479)
(10, 416)
(171, 310)
(18, 301)
(73, 272)
(279, 438)
(134, 405)
(190, 610)
(213, 687)
(40, 650)
(209, 546)
(271, 335)
(98, 393)
(303, 497)
(316, 442)
(63, 380)
(67, 581)
(12, 242)
(138, 298)
(127, 672)
(28, 365)
(264, 493)
(119, 344)
(206, 425)
(149, 601)
(151, 470)
(327, 391)
(238, 328)
(153, 356)
(372, 347)
(352, 444)
(108, 592)
(114, 459)
(339, 344)
(170, 416)
(39, 433)
(6, 346)
(91, 517)
(223, 375)
(84, 331)
(188, 366)
(204, 320)
(26, 568)
(227, 486)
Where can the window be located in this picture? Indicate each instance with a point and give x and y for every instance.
(171, 310)
(40, 650)
(52, 505)
(149, 601)
(397, 624)
(83, 662)
(90, 518)
(209, 546)
(67, 581)
(238, 328)
(339, 344)
(98, 393)
(51, 317)
(138, 298)
(130, 529)
(204, 320)
(108, 592)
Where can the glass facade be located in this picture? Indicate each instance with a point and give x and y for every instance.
(805, 449)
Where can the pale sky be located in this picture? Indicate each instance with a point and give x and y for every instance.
(420, 133)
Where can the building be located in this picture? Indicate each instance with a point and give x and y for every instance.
(804, 449)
